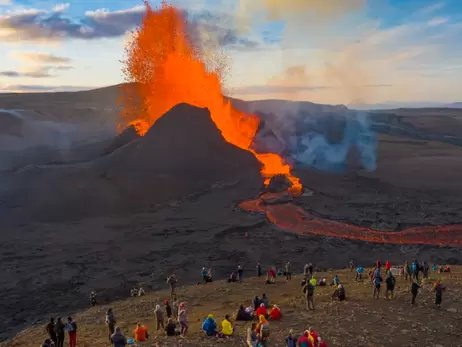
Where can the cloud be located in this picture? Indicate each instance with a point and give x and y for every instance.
(6, 2)
(30, 88)
(61, 7)
(437, 21)
(432, 8)
(218, 29)
(35, 72)
(36, 57)
(45, 26)
(40, 25)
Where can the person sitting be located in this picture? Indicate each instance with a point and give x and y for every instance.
(48, 343)
(209, 326)
(250, 310)
(336, 281)
(271, 276)
(242, 314)
(252, 336)
(226, 327)
(261, 311)
(262, 330)
(323, 282)
(170, 328)
(447, 269)
(321, 342)
(313, 336)
(304, 341)
(209, 275)
(141, 292)
(233, 277)
(339, 293)
(256, 303)
(291, 339)
(133, 292)
(141, 333)
(275, 313)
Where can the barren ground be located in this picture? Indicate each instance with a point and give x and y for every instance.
(359, 321)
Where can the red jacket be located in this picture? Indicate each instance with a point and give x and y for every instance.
(322, 344)
(275, 314)
(388, 265)
(261, 311)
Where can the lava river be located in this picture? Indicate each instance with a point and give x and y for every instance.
(169, 69)
(288, 216)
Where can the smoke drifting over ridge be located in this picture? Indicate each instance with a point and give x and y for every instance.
(302, 131)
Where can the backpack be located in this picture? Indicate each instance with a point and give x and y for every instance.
(265, 332)
(70, 327)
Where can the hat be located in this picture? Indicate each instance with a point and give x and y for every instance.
(210, 316)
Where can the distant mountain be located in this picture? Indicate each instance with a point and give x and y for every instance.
(455, 105)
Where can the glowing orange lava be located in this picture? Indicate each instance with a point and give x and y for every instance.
(293, 218)
(169, 71)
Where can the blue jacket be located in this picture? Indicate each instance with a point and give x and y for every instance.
(209, 326)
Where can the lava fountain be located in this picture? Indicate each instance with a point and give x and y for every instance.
(170, 70)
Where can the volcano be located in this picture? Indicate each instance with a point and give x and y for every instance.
(182, 154)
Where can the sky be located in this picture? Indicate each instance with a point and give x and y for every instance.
(354, 52)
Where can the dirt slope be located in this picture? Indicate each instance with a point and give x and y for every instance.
(360, 321)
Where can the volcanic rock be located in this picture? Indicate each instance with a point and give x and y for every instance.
(279, 184)
(126, 136)
(183, 153)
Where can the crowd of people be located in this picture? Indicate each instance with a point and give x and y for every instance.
(172, 318)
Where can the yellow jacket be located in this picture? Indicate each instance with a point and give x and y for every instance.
(226, 327)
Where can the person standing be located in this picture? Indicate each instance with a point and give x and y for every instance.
(258, 269)
(50, 329)
(439, 288)
(414, 290)
(59, 330)
(110, 322)
(183, 319)
(377, 282)
(172, 281)
(288, 270)
(407, 272)
(308, 289)
(387, 267)
(71, 327)
(390, 282)
(159, 317)
(93, 299)
(118, 339)
(168, 309)
(240, 273)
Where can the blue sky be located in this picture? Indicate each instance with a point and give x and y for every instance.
(328, 51)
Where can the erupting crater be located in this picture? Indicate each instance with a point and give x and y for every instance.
(169, 69)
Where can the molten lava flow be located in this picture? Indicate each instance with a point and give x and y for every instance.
(294, 218)
(169, 70)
